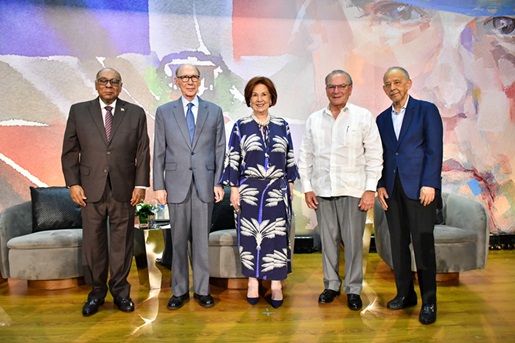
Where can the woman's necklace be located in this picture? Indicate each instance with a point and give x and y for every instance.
(261, 122)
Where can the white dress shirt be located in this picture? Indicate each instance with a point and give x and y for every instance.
(342, 156)
(194, 108)
(398, 118)
(104, 111)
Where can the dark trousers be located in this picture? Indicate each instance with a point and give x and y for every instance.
(106, 250)
(167, 252)
(410, 221)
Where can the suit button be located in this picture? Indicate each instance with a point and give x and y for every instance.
(109, 153)
(105, 170)
(192, 153)
(190, 168)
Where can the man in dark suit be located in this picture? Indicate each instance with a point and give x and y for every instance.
(412, 135)
(189, 149)
(106, 165)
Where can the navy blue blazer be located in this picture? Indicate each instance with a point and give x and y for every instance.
(417, 154)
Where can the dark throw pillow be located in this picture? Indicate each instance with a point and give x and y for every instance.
(53, 209)
(223, 213)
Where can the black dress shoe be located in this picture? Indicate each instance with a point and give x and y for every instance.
(328, 296)
(176, 302)
(427, 314)
(354, 302)
(204, 300)
(399, 303)
(91, 306)
(164, 264)
(124, 304)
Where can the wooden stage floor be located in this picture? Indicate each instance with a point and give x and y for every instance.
(480, 308)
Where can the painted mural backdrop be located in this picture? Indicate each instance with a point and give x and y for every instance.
(460, 54)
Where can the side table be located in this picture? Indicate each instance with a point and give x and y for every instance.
(149, 245)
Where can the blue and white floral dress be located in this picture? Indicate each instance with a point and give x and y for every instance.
(260, 160)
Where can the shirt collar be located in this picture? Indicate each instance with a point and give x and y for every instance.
(103, 105)
(328, 111)
(403, 108)
(185, 102)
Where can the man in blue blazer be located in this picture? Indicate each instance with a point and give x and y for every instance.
(189, 151)
(412, 135)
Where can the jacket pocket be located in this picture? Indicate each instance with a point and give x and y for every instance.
(171, 166)
(84, 170)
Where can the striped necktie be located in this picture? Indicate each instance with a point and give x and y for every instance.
(108, 122)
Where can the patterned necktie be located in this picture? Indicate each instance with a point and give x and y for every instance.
(108, 122)
(190, 121)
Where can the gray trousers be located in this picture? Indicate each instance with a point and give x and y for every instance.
(190, 222)
(340, 219)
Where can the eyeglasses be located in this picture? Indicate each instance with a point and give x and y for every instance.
(332, 88)
(187, 78)
(103, 82)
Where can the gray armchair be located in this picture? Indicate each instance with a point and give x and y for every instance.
(461, 243)
(38, 255)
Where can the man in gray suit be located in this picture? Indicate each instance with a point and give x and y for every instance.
(106, 165)
(189, 149)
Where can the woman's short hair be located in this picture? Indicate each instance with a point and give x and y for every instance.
(260, 80)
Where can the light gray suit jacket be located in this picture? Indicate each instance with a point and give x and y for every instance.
(177, 161)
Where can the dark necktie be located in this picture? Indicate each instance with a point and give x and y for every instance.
(190, 121)
(108, 122)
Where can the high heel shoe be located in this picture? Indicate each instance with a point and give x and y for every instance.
(253, 301)
(276, 303)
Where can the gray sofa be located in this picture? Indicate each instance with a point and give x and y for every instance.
(461, 243)
(41, 255)
(56, 254)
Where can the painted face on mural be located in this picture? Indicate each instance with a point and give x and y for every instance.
(487, 44)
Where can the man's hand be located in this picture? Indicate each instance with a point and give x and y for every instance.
(219, 193)
(77, 195)
(311, 200)
(161, 196)
(427, 195)
(367, 201)
(382, 195)
(235, 198)
(138, 195)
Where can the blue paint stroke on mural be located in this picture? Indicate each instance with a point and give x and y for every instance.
(85, 29)
(474, 187)
(474, 8)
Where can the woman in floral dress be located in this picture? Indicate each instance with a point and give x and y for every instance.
(260, 169)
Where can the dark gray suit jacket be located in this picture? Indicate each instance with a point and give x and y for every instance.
(88, 158)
